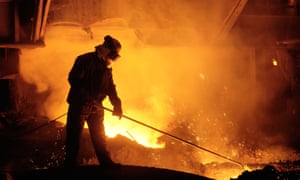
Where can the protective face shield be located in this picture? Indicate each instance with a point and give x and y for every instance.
(113, 54)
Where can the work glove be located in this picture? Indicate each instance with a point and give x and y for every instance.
(117, 111)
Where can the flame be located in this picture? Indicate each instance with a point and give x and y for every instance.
(141, 135)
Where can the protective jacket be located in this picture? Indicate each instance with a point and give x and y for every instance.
(91, 81)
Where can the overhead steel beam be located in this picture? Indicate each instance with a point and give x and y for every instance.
(17, 34)
(230, 20)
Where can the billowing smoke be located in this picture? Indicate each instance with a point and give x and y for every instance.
(170, 75)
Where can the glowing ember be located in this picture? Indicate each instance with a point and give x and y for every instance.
(275, 62)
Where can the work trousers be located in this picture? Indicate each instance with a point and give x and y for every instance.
(94, 116)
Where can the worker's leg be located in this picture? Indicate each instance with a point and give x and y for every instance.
(97, 133)
(74, 128)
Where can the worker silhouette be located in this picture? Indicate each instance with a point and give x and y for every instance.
(91, 81)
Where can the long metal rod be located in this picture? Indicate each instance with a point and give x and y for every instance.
(178, 138)
(40, 126)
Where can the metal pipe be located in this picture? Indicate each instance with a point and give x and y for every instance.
(38, 21)
(44, 20)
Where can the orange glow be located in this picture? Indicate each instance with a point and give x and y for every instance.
(274, 62)
(142, 135)
(199, 89)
